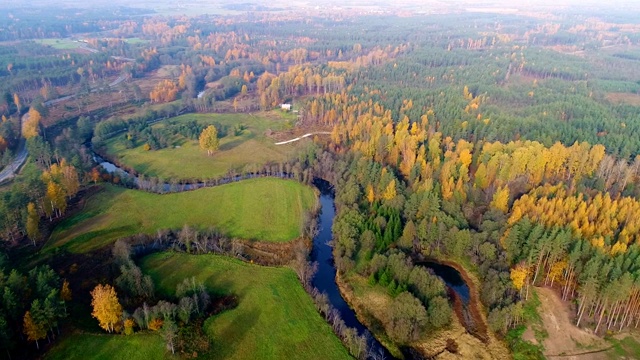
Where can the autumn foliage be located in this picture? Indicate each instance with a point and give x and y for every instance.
(106, 307)
(209, 139)
(164, 91)
(31, 125)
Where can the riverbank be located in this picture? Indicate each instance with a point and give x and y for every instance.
(371, 304)
(481, 343)
(369, 311)
(478, 326)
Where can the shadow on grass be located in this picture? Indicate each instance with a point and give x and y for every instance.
(231, 336)
(233, 143)
(219, 286)
(96, 239)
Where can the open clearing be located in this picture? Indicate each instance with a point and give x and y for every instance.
(184, 159)
(101, 102)
(624, 98)
(109, 347)
(275, 318)
(566, 341)
(60, 44)
(265, 209)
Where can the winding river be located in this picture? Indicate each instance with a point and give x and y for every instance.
(325, 278)
(322, 253)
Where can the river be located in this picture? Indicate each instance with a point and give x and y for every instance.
(325, 278)
(322, 253)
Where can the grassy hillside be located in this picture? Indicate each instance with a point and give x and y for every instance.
(109, 347)
(275, 318)
(264, 209)
(184, 159)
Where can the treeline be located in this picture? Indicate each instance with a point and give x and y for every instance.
(160, 138)
(603, 283)
(49, 181)
(28, 24)
(458, 201)
(33, 306)
(179, 322)
(107, 128)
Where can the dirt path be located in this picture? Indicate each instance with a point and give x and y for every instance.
(302, 137)
(565, 340)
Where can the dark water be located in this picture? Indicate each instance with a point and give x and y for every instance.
(452, 279)
(324, 280)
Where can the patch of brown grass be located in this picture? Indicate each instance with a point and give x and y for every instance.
(624, 98)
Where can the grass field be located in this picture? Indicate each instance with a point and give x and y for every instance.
(265, 209)
(184, 159)
(275, 318)
(625, 347)
(109, 347)
(135, 40)
(60, 44)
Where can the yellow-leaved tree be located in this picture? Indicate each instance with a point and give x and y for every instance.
(106, 307)
(519, 276)
(371, 195)
(390, 191)
(209, 139)
(33, 223)
(501, 199)
(65, 292)
(31, 125)
(33, 330)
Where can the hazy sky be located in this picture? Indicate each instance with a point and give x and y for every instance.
(520, 4)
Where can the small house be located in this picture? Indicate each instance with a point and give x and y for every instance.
(285, 107)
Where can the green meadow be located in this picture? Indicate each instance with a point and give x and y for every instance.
(184, 159)
(275, 318)
(264, 209)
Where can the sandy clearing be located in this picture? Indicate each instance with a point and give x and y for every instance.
(565, 340)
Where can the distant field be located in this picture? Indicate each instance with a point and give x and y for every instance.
(624, 98)
(184, 159)
(60, 44)
(275, 318)
(109, 347)
(135, 40)
(264, 209)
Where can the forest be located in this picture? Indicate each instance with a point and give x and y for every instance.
(144, 147)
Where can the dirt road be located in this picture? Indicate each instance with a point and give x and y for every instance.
(302, 137)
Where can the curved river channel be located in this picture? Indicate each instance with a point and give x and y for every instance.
(325, 278)
(322, 253)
